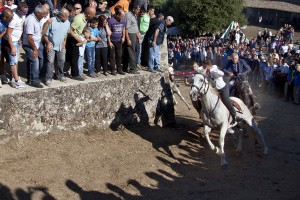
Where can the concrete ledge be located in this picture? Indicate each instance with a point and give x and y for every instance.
(75, 105)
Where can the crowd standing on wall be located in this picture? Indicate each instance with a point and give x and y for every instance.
(61, 38)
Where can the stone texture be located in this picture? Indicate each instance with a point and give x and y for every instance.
(102, 103)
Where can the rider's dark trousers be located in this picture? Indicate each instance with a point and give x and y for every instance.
(224, 93)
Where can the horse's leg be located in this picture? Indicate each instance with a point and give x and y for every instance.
(221, 143)
(253, 124)
(206, 131)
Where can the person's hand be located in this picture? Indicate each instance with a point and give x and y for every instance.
(63, 45)
(35, 53)
(111, 45)
(230, 74)
(140, 41)
(48, 47)
(78, 40)
(129, 42)
(123, 40)
(153, 43)
(13, 51)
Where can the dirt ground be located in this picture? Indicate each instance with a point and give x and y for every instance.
(156, 163)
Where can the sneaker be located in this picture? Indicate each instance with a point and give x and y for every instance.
(78, 78)
(63, 79)
(48, 82)
(139, 67)
(0, 84)
(84, 76)
(105, 74)
(19, 84)
(37, 85)
(113, 73)
(93, 75)
(98, 74)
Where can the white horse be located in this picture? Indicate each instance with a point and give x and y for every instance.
(216, 116)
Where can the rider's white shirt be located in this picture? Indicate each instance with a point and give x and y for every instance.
(216, 75)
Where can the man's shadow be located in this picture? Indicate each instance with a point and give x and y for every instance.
(89, 195)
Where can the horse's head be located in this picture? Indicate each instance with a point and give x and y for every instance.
(199, 86)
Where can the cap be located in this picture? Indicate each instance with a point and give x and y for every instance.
(103, 1)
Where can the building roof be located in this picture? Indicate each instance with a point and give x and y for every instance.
(286, 5)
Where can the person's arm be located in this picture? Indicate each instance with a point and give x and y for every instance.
(31, 43)
(227, 70)
(123, 35)
(9, 40)
(73, 34)
(46, 25)
(155, 37)
(108, 31)
(246, 68)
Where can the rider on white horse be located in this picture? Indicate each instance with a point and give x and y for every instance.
(216, 75)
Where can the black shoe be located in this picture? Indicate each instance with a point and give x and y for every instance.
(37, 85)
(113, 73)
(78, 78)
(233, 120)
(133, 72)
(121, 72)
(105, 74)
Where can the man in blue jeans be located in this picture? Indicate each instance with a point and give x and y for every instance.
(31, 40)
(56, 31)
(156, 38)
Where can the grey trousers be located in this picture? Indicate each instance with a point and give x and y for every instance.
(59, 68)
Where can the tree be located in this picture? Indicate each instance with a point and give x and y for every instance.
(203, 16)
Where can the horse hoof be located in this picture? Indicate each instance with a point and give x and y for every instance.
(224, 166)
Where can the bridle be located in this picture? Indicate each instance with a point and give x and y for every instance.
(202, 87)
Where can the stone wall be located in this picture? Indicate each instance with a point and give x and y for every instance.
(101, 103)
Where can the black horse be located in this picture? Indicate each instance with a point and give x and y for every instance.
(241, 89)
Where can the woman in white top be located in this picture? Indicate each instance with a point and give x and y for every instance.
(216, 75)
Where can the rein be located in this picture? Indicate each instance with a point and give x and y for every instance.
(199, 91)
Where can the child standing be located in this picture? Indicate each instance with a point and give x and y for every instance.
(86, 33)
(90, 47)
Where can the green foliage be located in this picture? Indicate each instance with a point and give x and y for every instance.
(202, 16)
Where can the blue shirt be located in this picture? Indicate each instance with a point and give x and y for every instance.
(57, 32)
(94, 34)
(3, 25)
(103, 38)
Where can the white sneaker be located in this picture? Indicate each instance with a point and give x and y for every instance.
(17, 84)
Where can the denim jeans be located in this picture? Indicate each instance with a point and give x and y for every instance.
(139, 50)
(80, 65)
(33, 69)
(60, 57)
(90, 57)
(154, 60)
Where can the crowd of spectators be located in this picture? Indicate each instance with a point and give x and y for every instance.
(273, 58)
(60, 38)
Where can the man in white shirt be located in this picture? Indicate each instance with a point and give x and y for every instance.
(11, 43)
(31, 41)
(216, 75)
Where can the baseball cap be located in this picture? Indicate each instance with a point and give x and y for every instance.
(103, 1)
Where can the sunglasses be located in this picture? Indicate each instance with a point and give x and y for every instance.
(77, 8)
